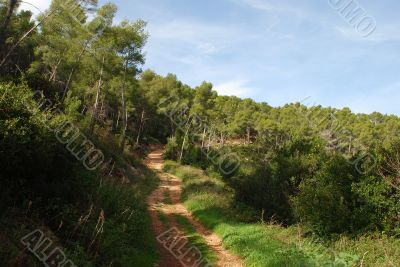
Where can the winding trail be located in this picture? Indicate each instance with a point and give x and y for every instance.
(157, 204)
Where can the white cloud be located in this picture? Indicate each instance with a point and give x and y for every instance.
(235, 88)
(204, 37)
(37, 6)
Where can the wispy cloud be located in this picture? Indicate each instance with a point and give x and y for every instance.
(205, 37)
(272, 6)
(261, 5)
(235, 87)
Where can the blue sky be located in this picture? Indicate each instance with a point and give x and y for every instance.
(277, 51)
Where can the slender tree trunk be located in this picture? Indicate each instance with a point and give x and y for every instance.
(101, 113)
(140, 127)
(124, 111)
(248, 135)
(351, 146)
(125, 127)
(116, 125)
(67, 84)
(83, 110)
(183, 143)
(54, 71)
(12, 5)
(209, 140)
(96, 104)
(204, 137)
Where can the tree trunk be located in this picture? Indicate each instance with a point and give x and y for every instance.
(183, 143)
(12, 6)
(210, 140)
(124, 128)
(124, 111)
(204, 137)
(96, 104)
(53, 73)
(350, 146)
(116, 125)
(140, 128)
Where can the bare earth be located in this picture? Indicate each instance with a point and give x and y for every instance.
(156, 203)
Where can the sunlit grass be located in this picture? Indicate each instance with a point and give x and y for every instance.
(195, 239)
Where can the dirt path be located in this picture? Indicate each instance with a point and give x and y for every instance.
(157, 204)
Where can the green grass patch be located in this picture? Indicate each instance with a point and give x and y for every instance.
(195, 239)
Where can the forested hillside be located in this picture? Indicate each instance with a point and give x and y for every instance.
(78, 113)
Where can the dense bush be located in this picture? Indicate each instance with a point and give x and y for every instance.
(34, 165)
(256, 186)
(378, 192)
(325, 200)
(96, 220)
(303, 182)
(171, 149)
(260, 244)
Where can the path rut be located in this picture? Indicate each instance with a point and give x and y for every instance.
(157, 204)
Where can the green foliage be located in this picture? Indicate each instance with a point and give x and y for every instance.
(72, 105)
(171, 149)
(18, 60)
(303, 182)
(268, 244)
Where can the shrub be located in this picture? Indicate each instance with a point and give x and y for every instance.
(34, 165)
(171, 149)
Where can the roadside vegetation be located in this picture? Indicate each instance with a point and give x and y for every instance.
(268, 243)
(96, 217)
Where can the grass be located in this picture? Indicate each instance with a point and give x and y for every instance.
(195, 239)
(268, 244)
(126, 238)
